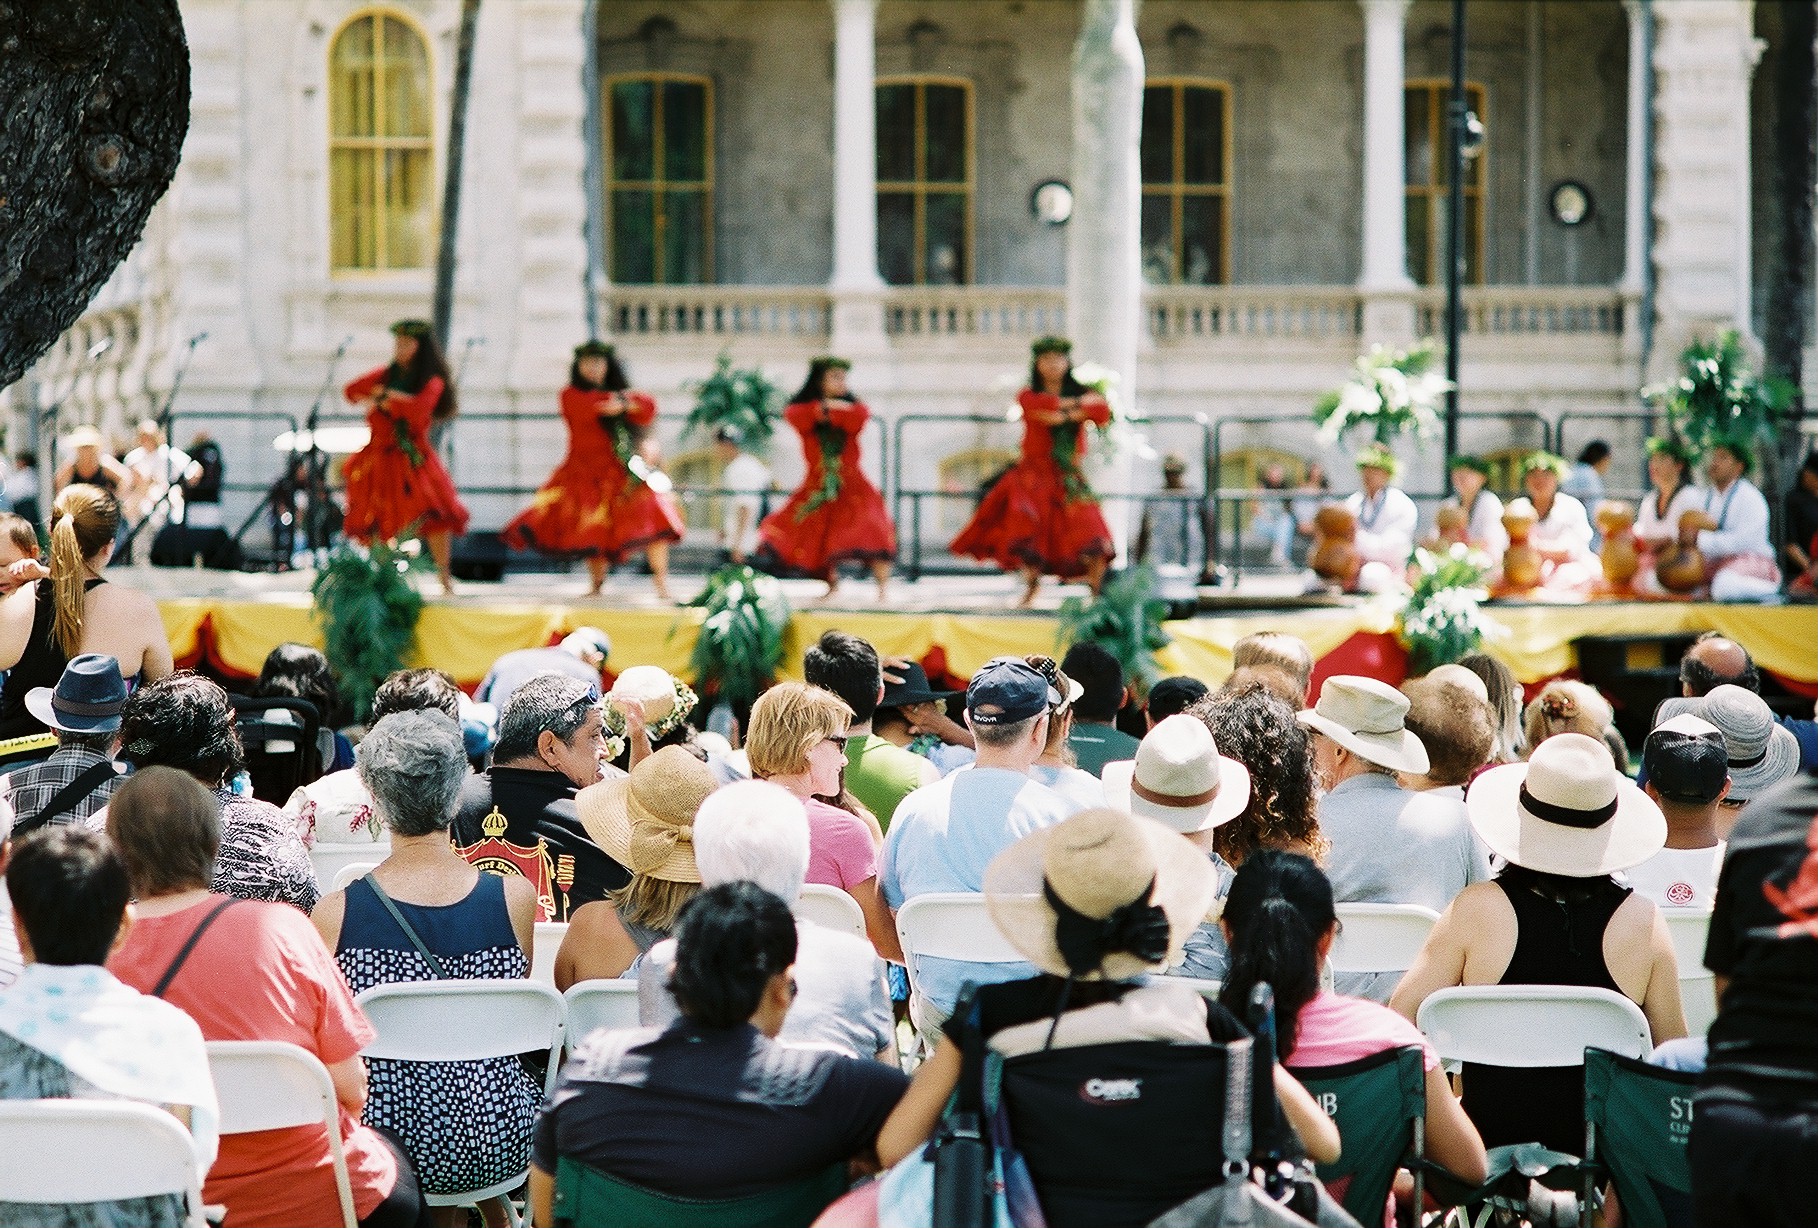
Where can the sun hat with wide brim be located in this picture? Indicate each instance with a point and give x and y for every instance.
(1178, 778)
(88, 698)
(1566, 811)
(1369, 719)
(83, 437)
(645, 821)
(1096, 863)
(1762, 751)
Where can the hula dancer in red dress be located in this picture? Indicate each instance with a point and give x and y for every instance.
(396, 484)
(836, 515)
(599, 502)
(1040, 517)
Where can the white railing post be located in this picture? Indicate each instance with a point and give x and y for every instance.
(1388, 312)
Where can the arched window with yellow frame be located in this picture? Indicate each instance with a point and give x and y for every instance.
(924, 180)
(659, 178)
(381, 179)
(1186, 162)
(1429, 190)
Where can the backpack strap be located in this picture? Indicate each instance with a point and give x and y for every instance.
(70, 795)
(195, 936)
(435, 965)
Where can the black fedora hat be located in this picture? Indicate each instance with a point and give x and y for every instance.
(87, 698)
(913, 689)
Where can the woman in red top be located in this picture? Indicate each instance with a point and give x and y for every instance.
(396, 484)
(598, 502)
(836, 515)
(1040, 517)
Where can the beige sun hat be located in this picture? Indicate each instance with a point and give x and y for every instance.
(1101, 865)
(1566, 811)
(649, 686)
(1761, 750)
(1178, 778)
(645, 821)
(1367, 718)
(83, 437)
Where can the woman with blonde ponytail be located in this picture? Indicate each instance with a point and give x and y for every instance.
(49, 615)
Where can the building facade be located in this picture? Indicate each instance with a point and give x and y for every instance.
(888, 179)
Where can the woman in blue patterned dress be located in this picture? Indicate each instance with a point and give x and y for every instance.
(466, 1125)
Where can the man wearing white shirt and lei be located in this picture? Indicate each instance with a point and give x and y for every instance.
(1738, 557)
(1386, 520)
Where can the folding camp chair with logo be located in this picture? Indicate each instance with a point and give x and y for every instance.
(1379, 1104)
(1637, 1120)
(586, 1197)
(279, 737)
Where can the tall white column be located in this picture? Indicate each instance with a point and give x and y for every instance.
(1104, 243)
(855, 145)
(1385, 256)
(857, 311)
(1635, 220)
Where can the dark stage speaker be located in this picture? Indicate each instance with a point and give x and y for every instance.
(180, 546)
(479, 556)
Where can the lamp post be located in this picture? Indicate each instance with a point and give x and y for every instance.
(1458, 115)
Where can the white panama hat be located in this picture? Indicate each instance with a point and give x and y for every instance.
(1566, 811)
(1178, 778)
(1367, 718)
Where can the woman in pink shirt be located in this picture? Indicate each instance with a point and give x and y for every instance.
(1280, 920)
(798, 740)
(250, 970)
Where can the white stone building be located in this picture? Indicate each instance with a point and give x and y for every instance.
(781, 178)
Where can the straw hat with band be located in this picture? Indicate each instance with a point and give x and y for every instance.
(1367, 718)
(1179, 779)
(1762, 751)
(1566, 811)
(665, 700)
(83, 437)
(645, 821)
(1103, 896)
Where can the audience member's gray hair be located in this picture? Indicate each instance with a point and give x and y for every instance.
(413, 763)
(999, 736)
(548, 701)
(755, 832)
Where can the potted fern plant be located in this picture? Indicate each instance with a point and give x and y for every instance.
(368, 610)
(739, 646)
(741, 399)
(1126, 619)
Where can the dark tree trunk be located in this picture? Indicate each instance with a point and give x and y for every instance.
(94, 105)
(1788, 306)
(451, 184)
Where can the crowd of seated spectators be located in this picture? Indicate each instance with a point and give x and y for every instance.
(1148, 861)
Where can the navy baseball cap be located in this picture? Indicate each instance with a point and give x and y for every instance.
(1686, 760)
(1006, 691)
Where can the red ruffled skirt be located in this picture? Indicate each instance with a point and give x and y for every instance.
(853, 528)
(1025, 520)
(386, 494)
(594, 510)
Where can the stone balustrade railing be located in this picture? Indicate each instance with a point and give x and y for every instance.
(1175, 315)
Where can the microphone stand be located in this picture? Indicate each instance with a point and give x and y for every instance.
(171, 486)
(315, 529)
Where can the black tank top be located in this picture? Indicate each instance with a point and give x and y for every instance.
(1559, 928)
(100, 477)
(41, 664)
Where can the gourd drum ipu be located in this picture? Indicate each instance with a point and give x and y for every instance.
(1681, 567)
(1521, 561)
(1620, 556)
(1335, 558)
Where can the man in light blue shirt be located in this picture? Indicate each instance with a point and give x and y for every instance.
(946, 833)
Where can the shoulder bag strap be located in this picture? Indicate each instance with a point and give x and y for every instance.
(70, 795)
(435, 965)
(195, 936)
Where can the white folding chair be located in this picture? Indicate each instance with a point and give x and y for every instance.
(543, 947)
(75, 1151)
(593, 1005)
(1688, 928)
(272, 1085)
(950, 925)
(1531, 1025)
(830, 907)
(464, 1021)
(330, 859)
(351, 871)
(1380, 937)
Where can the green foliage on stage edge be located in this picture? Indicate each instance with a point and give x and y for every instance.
(1125, 619)
(1718, 400)
(1443, 620)
(742, 398)
(740, 642)
(368, 610)
(1390, 391)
